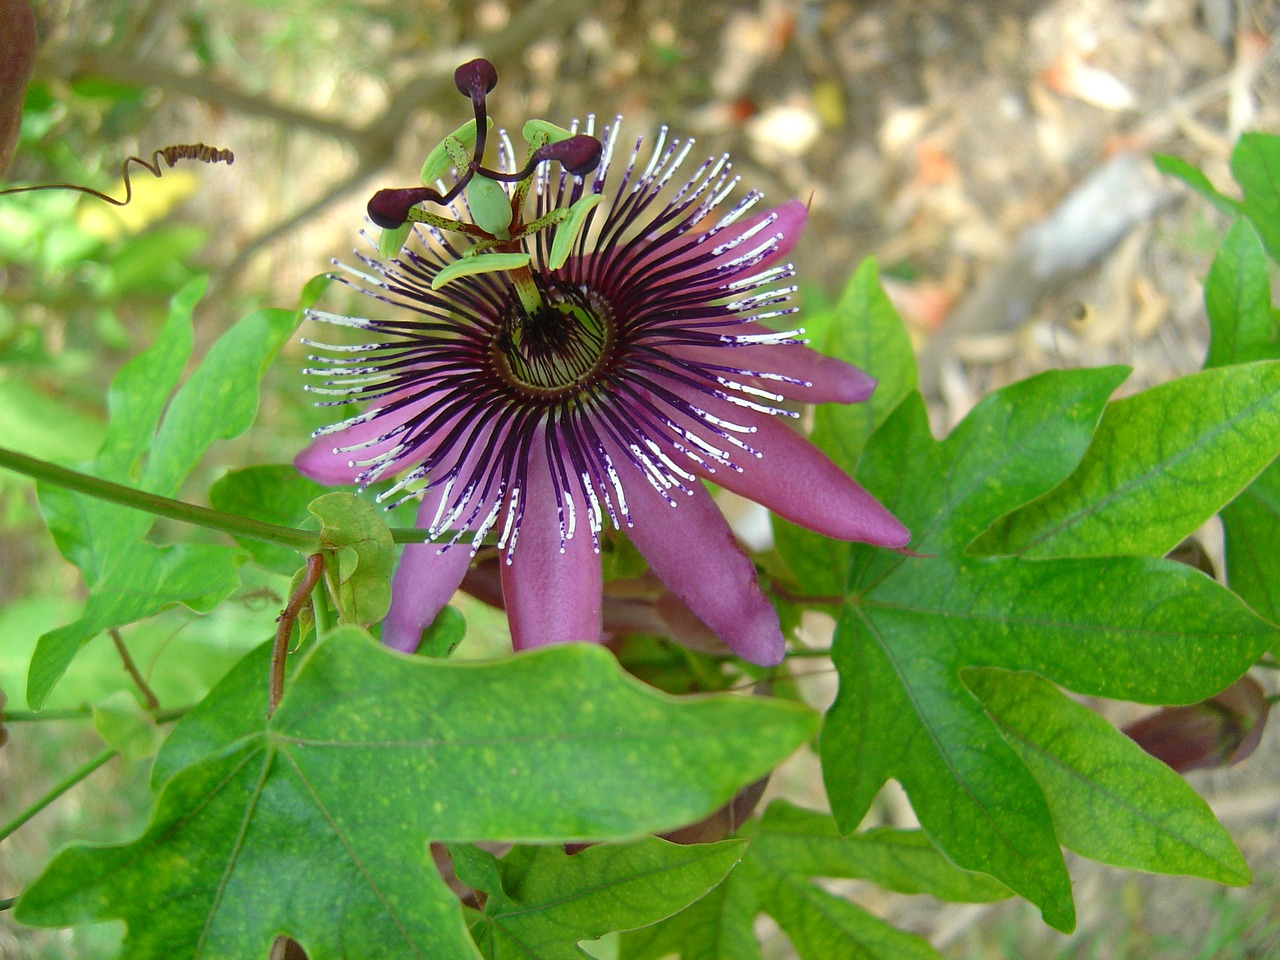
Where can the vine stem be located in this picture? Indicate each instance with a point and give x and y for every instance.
(131, 668)
(158, 505)
(83, 713)
(54, 792)
(301, 540)
(286, 620)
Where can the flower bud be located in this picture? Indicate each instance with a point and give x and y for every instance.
(1217, 732)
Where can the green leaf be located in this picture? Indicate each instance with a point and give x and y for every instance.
(316, 823)
(144, 580)
(1162, 462)
(1251, 524)
(275, 493)
(365, 555)
(1255, 163)
(720, 926)
(866, 331)
(1197, 181)
(1237, 296)
(551, 900)
(128, 577)
(1124, 627)
(822, 926)
(809, 843)
(1110, 800)
(219, 400)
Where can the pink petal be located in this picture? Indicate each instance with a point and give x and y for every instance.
(551, 597)
(323, 464)
(830, 380)
(670, 254)
(693, 551)
(425, 579)
(798, 481)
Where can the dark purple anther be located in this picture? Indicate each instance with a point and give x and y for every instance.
(476, 78)
(390, 208)
(579, 155)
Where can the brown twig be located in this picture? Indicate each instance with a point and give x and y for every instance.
(153, 704)
(280, 651)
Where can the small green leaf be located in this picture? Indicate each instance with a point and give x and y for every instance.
(1162, 462)
(478, 869)
(567, 232)
(550, 900)
(1110, 801)
(1197, 181)
(1251, 524)
(444, 634)
(484, 263)
(124, 725)
(365, 553)
(490, 207)
(1255, 163)
(1237, 296)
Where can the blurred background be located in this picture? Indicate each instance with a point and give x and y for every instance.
(991, 154)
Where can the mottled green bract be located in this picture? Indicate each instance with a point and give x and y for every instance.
(363, 556)
(317, 822)
(1123, 627)
(129, 578)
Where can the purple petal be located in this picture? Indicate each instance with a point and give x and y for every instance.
(799, 482)
(693, 551)
(789, 222)
(321, 463)
(426, 578)
(551, 597)
(830, 380)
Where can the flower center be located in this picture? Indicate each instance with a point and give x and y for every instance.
(557, 347)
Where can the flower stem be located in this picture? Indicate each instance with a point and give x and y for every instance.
(54, 792)
(320, 609)
(280, 650)
(131, 668)
(299, 540)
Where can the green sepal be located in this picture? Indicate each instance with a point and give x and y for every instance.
(489, 263)
(568, 231)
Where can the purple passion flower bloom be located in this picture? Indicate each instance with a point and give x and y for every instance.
(552, 378)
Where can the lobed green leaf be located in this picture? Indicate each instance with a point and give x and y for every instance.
(1110, 800)
(1162, 462)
